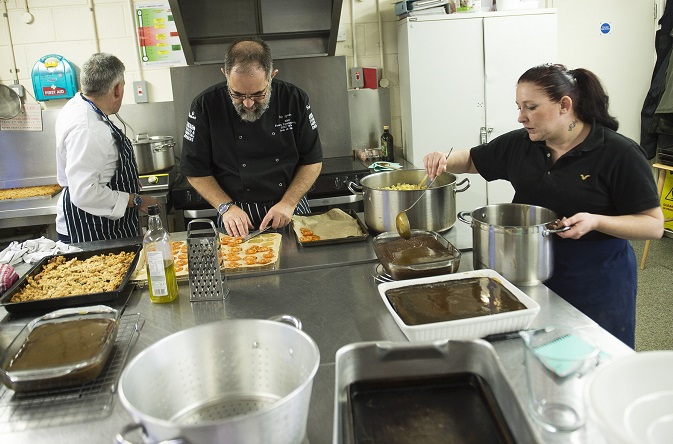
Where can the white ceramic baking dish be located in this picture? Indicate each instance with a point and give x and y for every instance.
(467, 328)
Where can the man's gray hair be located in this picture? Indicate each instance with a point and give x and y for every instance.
(248, 54)
(100, 74)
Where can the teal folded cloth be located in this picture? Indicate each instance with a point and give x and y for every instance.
(567, 355)
(385, 166)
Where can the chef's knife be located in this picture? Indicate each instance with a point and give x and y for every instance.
(253, 234)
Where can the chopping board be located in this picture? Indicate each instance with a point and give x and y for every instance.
(260, 252)
(41, 191)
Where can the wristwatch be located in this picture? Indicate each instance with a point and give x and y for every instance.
(137, 200)
(223, 208)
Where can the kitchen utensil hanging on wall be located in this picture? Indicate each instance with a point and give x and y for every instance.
(54, 77)
(10, 103)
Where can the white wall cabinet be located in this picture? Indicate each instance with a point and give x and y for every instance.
(458, 78)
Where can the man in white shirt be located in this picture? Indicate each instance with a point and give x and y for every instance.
(95, 162)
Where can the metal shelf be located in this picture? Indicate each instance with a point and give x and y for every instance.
(47, 408)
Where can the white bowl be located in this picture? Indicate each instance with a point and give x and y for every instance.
(631, 398)
(468, 328)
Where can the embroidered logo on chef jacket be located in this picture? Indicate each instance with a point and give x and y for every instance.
(285, 122)
(585, 176)
(190, 130)
(311, 119)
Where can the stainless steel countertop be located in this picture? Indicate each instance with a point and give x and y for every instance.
(29, 207)
(28, 212)
(331, 289)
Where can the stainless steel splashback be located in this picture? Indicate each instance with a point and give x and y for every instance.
(28, 158)
(370, 110)
(323, 79)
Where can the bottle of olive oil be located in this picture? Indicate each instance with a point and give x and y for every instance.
(161, 280)
(387, 145)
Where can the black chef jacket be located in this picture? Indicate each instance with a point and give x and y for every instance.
(253, 162)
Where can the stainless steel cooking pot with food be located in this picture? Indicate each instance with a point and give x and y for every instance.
(232, 381)
(513, 239)
(436, 211)
(153, 153)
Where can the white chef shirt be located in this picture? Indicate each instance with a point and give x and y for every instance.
(86, 159)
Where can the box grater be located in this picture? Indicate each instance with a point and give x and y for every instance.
(206, 282)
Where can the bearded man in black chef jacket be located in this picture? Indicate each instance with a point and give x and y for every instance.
(251, 145)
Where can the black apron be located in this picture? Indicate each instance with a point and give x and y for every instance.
(600, 279)
(257, 211)
(85, 227)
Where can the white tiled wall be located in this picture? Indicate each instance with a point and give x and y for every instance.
(69, 28)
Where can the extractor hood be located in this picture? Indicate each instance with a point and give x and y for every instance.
(292, 28)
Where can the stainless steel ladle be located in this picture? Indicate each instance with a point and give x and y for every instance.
(402, 220)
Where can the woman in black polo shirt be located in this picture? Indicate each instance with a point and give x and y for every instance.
(569, 158)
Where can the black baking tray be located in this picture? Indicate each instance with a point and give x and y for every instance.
(339, 240)
(430, 409)
(70, 301)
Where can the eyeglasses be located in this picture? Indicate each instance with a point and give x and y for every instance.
(256, 96)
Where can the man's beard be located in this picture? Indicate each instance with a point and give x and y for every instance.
(255, 112)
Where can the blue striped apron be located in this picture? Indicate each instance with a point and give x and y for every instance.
(85, 227)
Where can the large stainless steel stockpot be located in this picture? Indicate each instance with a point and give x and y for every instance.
(513, 239)
(436, 211)
(231, 381)
(155, 153)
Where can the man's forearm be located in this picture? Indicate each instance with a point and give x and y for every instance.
(303, 180)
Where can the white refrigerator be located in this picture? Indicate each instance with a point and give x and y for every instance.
(458, 78)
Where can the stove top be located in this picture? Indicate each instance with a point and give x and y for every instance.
(345, 164)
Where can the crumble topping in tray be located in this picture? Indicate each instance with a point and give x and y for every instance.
(60, 277)
(25, 192)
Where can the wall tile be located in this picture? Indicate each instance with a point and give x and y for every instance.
(159, 85)
(6, 65)
(65, 20)
(40, 30)
(125, 49)
(35, 4)
(111, 20)
(372, 46)
(22, 65)
(389, 31)
(369, 61)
